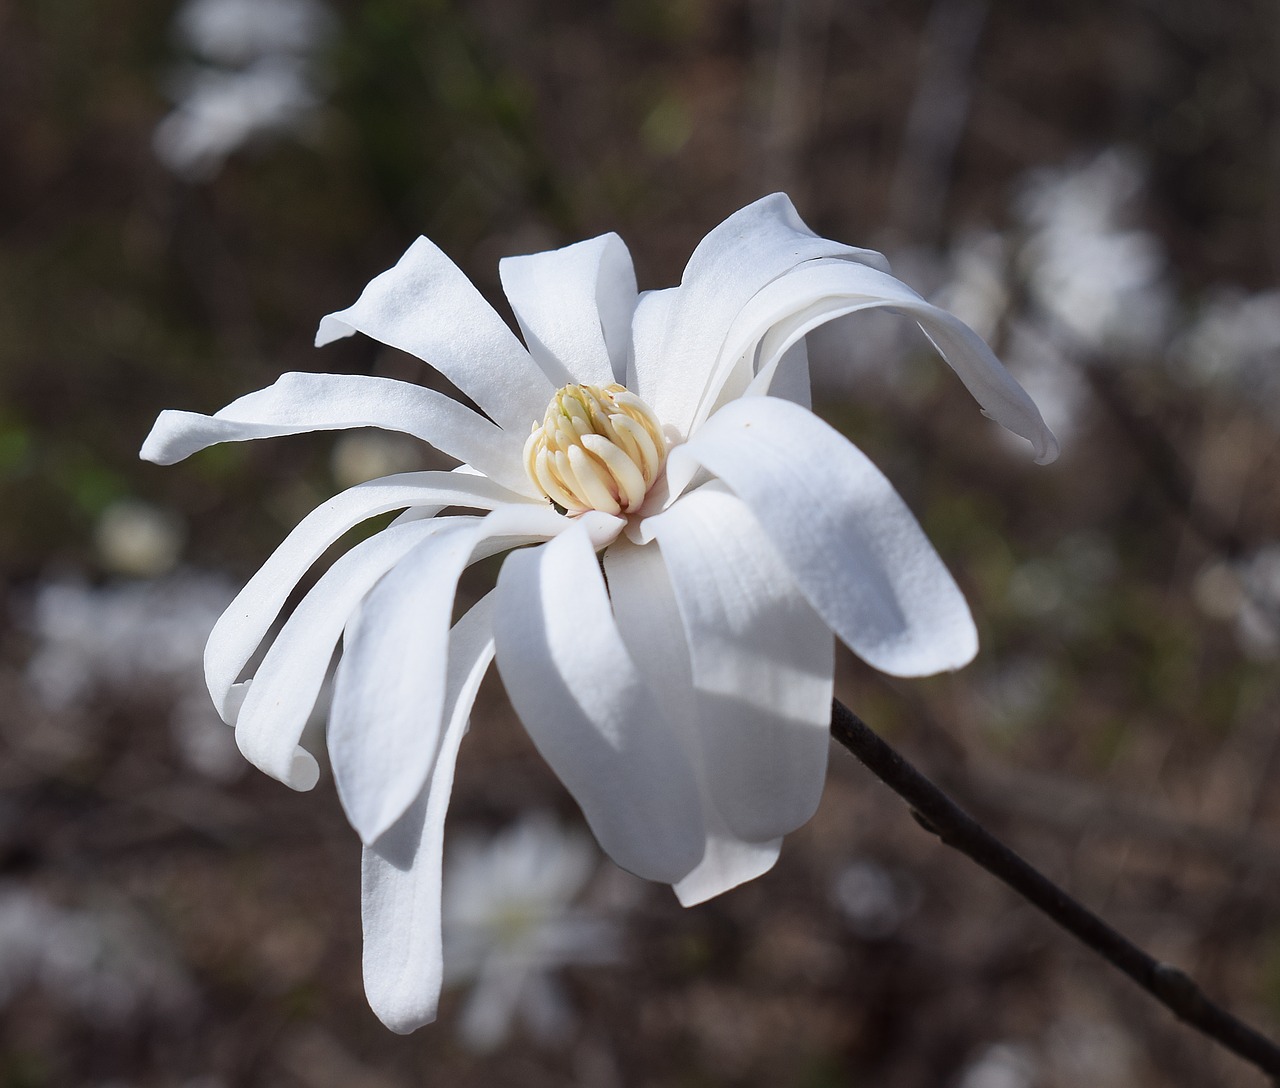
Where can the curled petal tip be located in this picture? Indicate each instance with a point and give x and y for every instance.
(156, 446)
(1047, 449)
(405, 1023)
(330, 329)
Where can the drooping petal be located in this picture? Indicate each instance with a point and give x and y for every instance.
(644, 606)
(727, 862)
(297, 403)
(676, 356)
(762, 664)
(574, 306)
(245, 623)
(278, 703)
(591, 715)
(427, 307)
(848, 539)
(401, 871)
(390, 686)
(388, 692)
(820, 291)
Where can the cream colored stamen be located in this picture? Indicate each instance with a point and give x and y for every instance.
(597, 449)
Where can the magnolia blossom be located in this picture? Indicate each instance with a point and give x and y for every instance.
(510, 922)
(682, 538)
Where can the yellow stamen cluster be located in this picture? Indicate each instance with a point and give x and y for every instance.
(597, 449)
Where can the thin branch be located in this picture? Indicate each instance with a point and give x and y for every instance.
(937, 813)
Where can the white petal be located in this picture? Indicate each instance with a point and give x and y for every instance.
(850, 542)
(650, 625)
(249, 617)
(820, 291)
(297, 403)
(389, 692)
(762, 664)
(283, 693)
(589, 712)
(727, 863)
(678, 340)
(427, 307)
(574, 306)
(400, 873)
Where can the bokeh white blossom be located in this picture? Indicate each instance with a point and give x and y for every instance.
(132, 637)
(1245, 592)
(513, 915)
(874, 899)
(138, 539)
(1233, 345)
(254, 75)
(103, 962)
(1087, 262)
(1001, 1065)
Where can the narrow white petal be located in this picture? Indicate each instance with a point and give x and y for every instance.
(820, 291)
(648, 618)
(249, 617)
(851, 544)
(400, 873)
(574, 306)
(679, 340)
(278, 703)
(590, 713)
(762, 664)
(390, 686)
(388, 692)
(427, 307)
(297, 403)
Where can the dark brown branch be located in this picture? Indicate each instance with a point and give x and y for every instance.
(937, 813)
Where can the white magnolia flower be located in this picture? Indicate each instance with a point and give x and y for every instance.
(666, 641)
(510, 922)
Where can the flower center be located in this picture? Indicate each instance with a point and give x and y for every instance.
(598, 449)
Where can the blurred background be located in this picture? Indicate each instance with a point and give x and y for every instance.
(188, 187)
